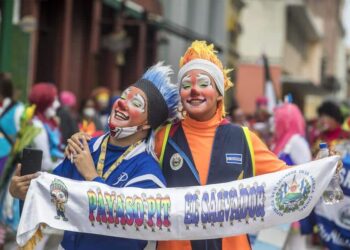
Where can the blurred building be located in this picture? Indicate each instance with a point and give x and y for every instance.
(348, 69)
(234, 29)
(216, 21)
(78, 44)
(196, 19)
(303, 41)
(81, 44)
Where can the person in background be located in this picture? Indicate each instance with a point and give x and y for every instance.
(345, 110)
(67, 118)
(291, 146)
(124, 156)
(89, 121)
(261, 113)
(261, 123)
(45, 97)
(238, 117)
(329, 126)
(101, 96)
(10, 114)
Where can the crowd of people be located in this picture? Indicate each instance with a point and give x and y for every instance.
(147, 129)
(56, 117)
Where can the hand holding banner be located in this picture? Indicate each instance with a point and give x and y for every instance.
(199, 212)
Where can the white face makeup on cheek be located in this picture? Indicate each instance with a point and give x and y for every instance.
(198, 94)
(129, 113)
(134, 101)
(186, 82)
(139, 102)
(125, 93)
(203, 80)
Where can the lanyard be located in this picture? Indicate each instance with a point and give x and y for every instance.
(102, 157)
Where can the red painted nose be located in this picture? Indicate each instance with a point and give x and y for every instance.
(122, 104)
(194, 91)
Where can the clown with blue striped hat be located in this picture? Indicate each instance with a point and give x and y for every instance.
(124, 156)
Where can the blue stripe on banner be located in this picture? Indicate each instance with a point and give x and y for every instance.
(335, 237)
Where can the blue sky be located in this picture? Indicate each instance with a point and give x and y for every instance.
(346, 20)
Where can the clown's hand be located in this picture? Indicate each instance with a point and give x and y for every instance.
(83, 159)
(19, 185)
(69, 151)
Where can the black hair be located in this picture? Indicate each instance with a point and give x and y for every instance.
(6, 86)
(331, 109)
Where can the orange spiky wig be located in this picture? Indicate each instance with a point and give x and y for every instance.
(201, 55)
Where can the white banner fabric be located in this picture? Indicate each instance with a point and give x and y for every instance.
(191, 213)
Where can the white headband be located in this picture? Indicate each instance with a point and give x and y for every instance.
(207, 66)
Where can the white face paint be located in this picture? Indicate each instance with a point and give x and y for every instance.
(138, 102)
(186, 82)
(201, 80)
(51, 111)
(134, 101)
(128, 113)
(199, 96)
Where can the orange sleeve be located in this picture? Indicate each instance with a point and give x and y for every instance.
(159, 138)
(265, 161)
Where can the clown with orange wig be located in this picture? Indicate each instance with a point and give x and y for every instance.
(204, 148)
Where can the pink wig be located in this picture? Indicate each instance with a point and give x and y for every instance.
(68, 98)
(288, 122)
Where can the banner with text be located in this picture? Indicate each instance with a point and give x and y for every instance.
(199, 212)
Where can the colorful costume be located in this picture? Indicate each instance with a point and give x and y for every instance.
(9, 123)
(138, 169)
(225, 164)
(132, 166)
(331, 135)
(206, 144)
(44, 96)
(290, 146)
(290, 143)
(16, 132)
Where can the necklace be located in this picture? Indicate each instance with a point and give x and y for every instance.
(102, 157)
